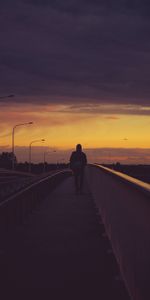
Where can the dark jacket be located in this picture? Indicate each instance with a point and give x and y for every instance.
(78, 161)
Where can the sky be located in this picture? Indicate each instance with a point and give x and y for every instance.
(79, 70)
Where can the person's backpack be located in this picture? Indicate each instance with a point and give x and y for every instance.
(77, 164)
(77, 161)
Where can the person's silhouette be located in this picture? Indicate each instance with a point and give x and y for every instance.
(78, 162)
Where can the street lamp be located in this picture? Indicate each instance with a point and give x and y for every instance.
(35, 141)
(13, 141)
(44, 161)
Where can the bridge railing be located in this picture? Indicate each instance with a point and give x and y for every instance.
(124, 205)
(133, 182)
(16, 207)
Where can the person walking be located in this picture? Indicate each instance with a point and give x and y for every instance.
(78, 161)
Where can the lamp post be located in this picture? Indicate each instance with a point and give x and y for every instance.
(13, 141)
(35, 141)
(44, 160)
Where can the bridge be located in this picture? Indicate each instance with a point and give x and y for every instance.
(94, 245)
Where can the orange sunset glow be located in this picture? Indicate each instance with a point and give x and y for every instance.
(63, 126)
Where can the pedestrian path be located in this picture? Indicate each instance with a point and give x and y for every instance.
(62, 247)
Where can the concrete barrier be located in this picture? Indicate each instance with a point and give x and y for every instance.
(15, 208)
(125, 209)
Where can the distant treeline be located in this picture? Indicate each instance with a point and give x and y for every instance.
(40, 167)
(6, 163)
(6, 160)
(140, 171)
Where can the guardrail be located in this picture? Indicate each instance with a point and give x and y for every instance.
(124, 206)
(9, 188)
(138, 184)
(15, 208)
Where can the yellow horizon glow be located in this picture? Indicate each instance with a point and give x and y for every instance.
(65, 129)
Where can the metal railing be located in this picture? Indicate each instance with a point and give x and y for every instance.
(136, 183)
(16, 207)
(123, 202)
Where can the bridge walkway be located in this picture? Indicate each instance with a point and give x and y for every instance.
(62, 247)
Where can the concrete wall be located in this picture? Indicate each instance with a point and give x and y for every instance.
(126, 214)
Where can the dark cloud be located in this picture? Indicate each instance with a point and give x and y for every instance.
(99, 155)
(82, 7)
(103, 109)
(94, 51)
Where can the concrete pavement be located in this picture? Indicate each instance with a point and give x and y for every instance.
(62, 247)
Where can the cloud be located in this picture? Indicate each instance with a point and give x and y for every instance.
(107, 109)
(111, 118)
(94, 155)
(75, 52)
(5, 135)
(77, 7)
